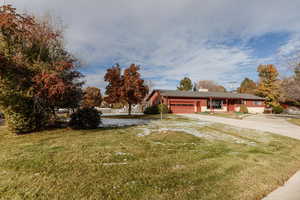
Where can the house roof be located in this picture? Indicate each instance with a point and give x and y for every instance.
(191, 94)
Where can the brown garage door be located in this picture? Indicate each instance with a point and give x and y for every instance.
(182, 108)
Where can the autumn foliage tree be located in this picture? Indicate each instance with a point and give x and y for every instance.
(115, 82)
(290, 88)
(134, 90)
(128, 88)
(268, 85)
(248, 86)
(37, 74)
(92, 97)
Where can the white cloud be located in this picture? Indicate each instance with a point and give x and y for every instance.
(95, 79)
(170, 38)
(291, 47)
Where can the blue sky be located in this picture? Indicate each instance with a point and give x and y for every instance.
(220, 40)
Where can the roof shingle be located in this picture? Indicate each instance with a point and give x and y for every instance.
(191, 94)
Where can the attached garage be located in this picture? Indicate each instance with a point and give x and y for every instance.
(182, 107)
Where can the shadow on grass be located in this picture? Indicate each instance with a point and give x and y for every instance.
(63, 126)
(65, 129)
(105, 128)
(2, 122)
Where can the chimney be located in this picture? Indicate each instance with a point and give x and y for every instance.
(203, 90)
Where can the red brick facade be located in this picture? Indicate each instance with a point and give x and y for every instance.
(201, 104)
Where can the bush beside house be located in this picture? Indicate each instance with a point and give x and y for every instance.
(151, 110)
(243, 109)
(156, 109)
(277, 109)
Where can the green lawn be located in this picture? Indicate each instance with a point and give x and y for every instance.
(162, 160)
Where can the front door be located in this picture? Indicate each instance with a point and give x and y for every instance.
(198, 106)
(231, 104)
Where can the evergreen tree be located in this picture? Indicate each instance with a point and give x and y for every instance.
(185, 84)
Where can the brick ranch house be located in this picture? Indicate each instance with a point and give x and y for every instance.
(203, 101)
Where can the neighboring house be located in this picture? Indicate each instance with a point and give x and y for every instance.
(191, 102)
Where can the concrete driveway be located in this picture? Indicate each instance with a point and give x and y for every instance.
(259, 122)
(289, 191)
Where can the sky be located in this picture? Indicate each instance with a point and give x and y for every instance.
(220, 40)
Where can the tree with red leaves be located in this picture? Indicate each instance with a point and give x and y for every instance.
(37, 74)
(115, 82)
(128, 88)
(92, 97)
(134, 90)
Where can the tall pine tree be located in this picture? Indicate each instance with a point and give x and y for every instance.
(185, 84)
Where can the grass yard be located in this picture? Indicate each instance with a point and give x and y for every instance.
(294, 121)
(171, 159)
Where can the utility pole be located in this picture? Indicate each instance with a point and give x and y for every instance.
(161, 109)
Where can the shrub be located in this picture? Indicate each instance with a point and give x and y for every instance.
(151, 110)
(243, 109)
(23, 123)
(156, 109)
(162, 108)
(277, 109)
(85, 118)
(24, 118)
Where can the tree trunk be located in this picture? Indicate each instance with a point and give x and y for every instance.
(129, 108)
(54, 114)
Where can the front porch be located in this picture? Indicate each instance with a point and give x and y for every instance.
(220, 105)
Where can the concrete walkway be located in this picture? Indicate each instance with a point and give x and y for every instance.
(291, 189)
(258, 122)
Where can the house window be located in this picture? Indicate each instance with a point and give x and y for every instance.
(157, 101)
(216, 104)
(182, 104)
(258, 103)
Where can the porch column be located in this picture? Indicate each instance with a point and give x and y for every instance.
(227, 104)
(168, 103)
(210, 104)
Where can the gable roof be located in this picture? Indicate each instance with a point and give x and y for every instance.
(191, 94)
